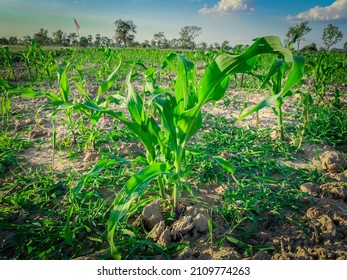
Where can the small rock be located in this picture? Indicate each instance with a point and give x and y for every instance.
(310, 189)
(183, 225)
(157, 231)
(200, 223)
(333, 161)
(261, 255)
(151, 215)
(337, 190)
(165, 238)
(191, 211)
(185, 254)
(327, 226)
(343, 176)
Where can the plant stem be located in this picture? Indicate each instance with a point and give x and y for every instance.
(279, 104)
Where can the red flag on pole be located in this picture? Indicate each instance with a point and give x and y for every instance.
(76, 24)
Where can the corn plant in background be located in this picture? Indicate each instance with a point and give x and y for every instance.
(166, 121)
(324, 73)
(280, 86)
(5, 100)
(6, 58)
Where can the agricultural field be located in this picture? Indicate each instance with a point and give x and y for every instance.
(157, 154)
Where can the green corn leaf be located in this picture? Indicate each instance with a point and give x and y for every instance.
(237, 242)
(4, 84)
(259, 106)
(185, 83)
(106, 85)
(135, 104)
(275, 67)
(64, 88)
(296, 73)
(133, 189)
(224, 163)
(82, 90)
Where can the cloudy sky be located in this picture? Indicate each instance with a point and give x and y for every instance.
(238, 21)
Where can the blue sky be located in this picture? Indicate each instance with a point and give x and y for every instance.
(237, 21)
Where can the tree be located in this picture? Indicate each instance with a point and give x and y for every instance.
(188, 35)
(225, 45)
(73, 38)
(345, 46)
(331, 36)
(297, 33)
(84, 42)
(13, 40)
(310, 48)
(4, 41)
(159, 40)
(145, 44)
(174, 43)
(90, 40)
(42, 37)
(125, 31)
(202, 46)
(58, 37)
(97, 41)
(27, 40)
(105, 41)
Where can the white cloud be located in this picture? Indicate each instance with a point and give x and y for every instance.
(337, 10)
(229, 6)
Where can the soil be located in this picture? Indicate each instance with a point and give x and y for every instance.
(324, 235)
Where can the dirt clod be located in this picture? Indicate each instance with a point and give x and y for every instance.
(151, 215)
(311, 189)
(333, 161)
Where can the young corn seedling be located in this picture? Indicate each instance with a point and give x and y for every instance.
(167, 120)
(6, 56)
(323, 73)
(5, 100)
(279, 86)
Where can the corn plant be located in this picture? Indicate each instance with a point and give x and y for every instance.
(166, 131)
(280, 86)
(324, 73)
(6, 57)
(5, 99)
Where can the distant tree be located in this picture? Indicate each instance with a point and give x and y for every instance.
(58, 37)
(97, 41)
(310, 48)
(83, 42)
(159, 40)
(26, 40)
(42, 37)
(105, 41)
(4, 41)
(125, 32)
(188, 35)
(13, 40)
(174, 43)
(90, 40)
(216, 45)
(73, 38)
(331, 36)
(345, 46)
(225, 45)
(202, 46)
(297, 33)
(145, 44)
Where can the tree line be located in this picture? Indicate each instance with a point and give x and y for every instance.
(125, 31)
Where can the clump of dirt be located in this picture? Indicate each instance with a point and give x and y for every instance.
(189, 227)
(333, 161)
